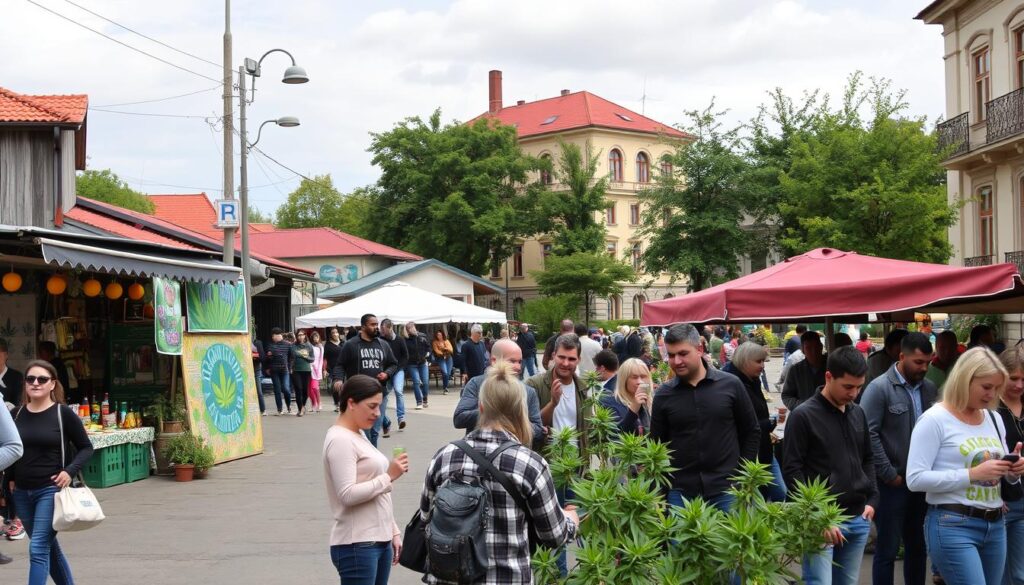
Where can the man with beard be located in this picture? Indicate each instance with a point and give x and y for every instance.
(369, 355)
(893, 402)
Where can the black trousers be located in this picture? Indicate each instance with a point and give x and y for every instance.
(301, 380)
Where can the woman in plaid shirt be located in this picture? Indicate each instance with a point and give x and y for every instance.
(503, 418)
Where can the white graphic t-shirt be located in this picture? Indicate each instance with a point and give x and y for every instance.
(943, 450)
(565, 411)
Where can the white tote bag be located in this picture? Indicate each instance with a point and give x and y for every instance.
(74, 508)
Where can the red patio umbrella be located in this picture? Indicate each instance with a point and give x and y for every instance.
(826, 283)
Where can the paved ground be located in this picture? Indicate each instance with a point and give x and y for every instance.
(262, 520)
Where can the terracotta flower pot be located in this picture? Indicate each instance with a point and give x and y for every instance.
(172, 426)
(183, 472)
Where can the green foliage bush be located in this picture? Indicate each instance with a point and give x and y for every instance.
(962, 324)
(545, 313)
(629, 535)
(613, 324)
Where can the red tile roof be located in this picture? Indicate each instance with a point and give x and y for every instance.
(35, 109)
(262, 227)
(120, 228)
(581, 109)
(161, 228)
(319, 242)
(192, 211)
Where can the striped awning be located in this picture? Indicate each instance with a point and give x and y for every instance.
(124, 263)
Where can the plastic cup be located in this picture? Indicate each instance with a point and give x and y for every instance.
(397, 451)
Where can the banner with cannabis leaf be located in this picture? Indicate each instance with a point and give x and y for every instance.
(216, 307)
(221, 389)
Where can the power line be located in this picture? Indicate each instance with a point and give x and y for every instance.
(122, 43)
(148, 38)
(149, 114)
(173, 97)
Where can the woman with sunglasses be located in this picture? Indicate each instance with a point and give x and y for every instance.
(43, 421)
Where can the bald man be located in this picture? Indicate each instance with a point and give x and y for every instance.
(468, 410)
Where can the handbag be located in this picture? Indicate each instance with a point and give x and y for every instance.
(414, 545)
(74, 508)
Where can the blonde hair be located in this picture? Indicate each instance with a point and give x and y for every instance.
(976, 362)
(626, 370)
(748, 352)
(1013, 360)
(503, 403)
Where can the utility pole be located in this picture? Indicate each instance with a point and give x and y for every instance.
(229, 130)
(243, 198)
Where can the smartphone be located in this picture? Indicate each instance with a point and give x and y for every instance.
(1011, 457)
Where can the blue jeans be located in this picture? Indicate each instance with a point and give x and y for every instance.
(529, 365)
(968, 551)
(839, 564)
(420, 376)
(900, 517)
(282, 387)
(446, 371)
(396, 384)
(362, 563)
(35, 508)
(722, 501)
(1014, 544)
(259, 389)
(564, 495)
(775, 491)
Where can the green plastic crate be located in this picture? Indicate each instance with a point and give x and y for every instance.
(106, 468)
(136, 461)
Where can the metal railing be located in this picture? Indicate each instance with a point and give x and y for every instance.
(1017, 259)
(954, 136)
(1005, 116)
(979, 260)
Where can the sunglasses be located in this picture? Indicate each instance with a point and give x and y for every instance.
(40, 379)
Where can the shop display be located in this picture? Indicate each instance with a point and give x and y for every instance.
(168, 322)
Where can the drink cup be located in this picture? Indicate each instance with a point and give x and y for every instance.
(397, 451)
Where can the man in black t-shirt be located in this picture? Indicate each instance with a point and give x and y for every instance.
(369, 355)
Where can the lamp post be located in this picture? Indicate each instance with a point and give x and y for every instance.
(292, 75)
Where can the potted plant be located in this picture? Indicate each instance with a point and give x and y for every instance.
(204, 458)
(183, 451)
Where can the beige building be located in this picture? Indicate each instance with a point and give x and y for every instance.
(630, 148)
(984, 130)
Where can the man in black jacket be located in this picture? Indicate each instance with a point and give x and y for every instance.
(827, 438)
(369, 355)
(528, 343)
(279, 358)
(12, 383)
(397, 381)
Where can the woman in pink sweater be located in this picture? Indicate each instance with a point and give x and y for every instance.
(365, 541)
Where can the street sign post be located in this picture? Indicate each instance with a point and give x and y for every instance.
(228, 213)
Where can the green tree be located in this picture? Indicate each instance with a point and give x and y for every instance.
(862, 177)
(583, 276)
(545, 313)
(693, 216)
(257, 216)
(317, 203)
(570, 213)
(107, 187)
(456, 192)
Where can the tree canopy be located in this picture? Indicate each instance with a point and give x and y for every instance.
(317, 203)
(456, 192)
(107, 187)
(257, 216)
(569, 213)
(692, 216)
(583, 276)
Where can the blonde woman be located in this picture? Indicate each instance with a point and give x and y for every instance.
(1011, 411)
(630, 402)
(502, 434)
(956, 457)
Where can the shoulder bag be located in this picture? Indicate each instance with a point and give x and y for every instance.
(74, 508)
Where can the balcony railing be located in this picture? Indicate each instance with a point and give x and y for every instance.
(1017, 259)
(1005, 116)
(954, 136)
(979, 260)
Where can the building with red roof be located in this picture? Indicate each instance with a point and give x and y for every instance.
(192, 211)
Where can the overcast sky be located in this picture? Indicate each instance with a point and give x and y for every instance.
(374, 63)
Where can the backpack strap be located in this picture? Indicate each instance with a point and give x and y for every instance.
(486, 464)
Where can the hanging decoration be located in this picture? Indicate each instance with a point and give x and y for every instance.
(114, 291)
(136, 291)
(92, 287)
(12, 281)
(56, 284)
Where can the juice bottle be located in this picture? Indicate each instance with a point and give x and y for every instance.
(95, 410)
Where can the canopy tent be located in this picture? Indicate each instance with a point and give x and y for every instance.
(401, 303)
(826, 284)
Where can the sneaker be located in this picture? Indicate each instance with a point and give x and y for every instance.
(401, 425)
(425, 405)
(4, 559)
(264, 413)
(279, 413)
(446, 392)
(387, 433)
(336, 409)
(15, 531)
(419, 406)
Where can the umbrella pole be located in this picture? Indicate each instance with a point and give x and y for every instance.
(830, 340)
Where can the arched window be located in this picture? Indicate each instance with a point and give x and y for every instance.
(638, 305)
(666, 167)
(496, 304)
(615, 165)
(545, 172)
(643, 168)
(517, 309)
(636, 254)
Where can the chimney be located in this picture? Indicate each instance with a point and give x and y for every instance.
(494, 91)
(565, 92)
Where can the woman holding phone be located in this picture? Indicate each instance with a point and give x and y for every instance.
(630, 403)
(958, 457)
(1013, 420)
(365, 541)
(46, 467)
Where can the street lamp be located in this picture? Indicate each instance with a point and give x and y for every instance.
(292, 75)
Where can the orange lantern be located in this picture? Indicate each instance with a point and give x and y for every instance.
(136, 291)
(114, 291)
(12, 281)
(92, 287)
(147, 311)
(56, 284)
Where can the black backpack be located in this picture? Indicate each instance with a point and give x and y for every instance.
(456, 535)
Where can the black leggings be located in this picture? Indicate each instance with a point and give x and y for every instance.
(301, 380)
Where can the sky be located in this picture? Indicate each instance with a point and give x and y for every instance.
(372, 64)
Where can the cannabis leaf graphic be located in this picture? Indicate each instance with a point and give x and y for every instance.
(224, 389)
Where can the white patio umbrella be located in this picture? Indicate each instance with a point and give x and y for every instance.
(401, 303)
